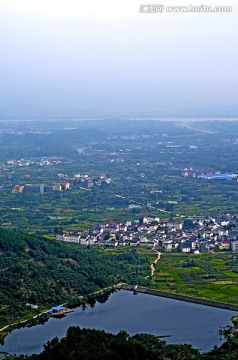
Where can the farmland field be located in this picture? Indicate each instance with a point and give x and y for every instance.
(207, 276)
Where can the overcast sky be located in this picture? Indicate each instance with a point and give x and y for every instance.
(105, 58)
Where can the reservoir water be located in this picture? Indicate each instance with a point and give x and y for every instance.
(182, 322)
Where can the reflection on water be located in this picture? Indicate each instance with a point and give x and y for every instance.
(182, 322)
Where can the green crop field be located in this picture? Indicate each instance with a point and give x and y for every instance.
(208, 276)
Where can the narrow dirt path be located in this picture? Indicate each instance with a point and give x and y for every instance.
(152, 266)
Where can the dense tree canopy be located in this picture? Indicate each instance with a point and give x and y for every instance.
(91, 344)
(44, 272)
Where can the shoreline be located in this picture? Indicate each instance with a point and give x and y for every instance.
(9, 328)
(181, 297)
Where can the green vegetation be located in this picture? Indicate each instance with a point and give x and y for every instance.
(144, 163)
(208, 276)
(45, 273)
(90, 344)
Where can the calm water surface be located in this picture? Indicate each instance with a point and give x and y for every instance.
(183, 322)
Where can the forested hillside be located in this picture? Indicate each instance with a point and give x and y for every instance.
(42, 272)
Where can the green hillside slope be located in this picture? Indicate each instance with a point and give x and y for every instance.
(39, 271)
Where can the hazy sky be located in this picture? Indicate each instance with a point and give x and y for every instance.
(105, 58)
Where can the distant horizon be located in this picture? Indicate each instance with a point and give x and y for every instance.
(132, 118)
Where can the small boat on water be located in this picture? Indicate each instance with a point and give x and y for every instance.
(59, 311)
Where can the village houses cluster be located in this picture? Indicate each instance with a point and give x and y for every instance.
(42, 161)
(206, 174)
(192, 235)
(80, 180)
(86, 181)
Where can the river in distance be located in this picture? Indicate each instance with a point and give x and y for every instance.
(181, 321)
